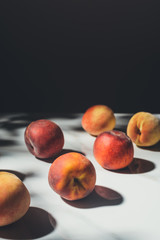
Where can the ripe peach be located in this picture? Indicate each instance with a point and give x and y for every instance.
(113, 150)
(144, 129)
(14, 198)
(72, 176)
(98, 119)
(44, 138)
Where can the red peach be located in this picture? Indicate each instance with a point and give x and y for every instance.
(44, 138)
(72, 176)
(113, 150)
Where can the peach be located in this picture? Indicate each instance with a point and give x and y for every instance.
(113, 150)
(14, 198)
(98, 119)
(44, 138)
(144, 129)
(72, 176)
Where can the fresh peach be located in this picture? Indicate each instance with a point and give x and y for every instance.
(14, 198)
(98, 119)
(113, 150)
(72, 176)
(144, 129)
(44, 138)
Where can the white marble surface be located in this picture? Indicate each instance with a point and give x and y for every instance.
(124, 205)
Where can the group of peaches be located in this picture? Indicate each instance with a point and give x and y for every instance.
(72, 175)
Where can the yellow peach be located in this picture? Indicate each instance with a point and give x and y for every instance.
(144, 129)
(14, 198)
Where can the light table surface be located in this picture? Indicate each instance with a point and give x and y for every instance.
(125, 204)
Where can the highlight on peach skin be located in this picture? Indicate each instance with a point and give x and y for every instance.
(113, 150)
(14, 198)
(44, 138)
(72, 176)
(97, 119)
(144, 129)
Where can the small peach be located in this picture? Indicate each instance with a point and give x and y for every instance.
(97, 119)
(144, 129)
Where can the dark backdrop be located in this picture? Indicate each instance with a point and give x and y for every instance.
(66, 55)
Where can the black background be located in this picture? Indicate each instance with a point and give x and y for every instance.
(64, 56)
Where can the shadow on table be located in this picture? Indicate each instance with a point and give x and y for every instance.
(35, 224)
(50, 160)
(7, 142)
(12, 122)
(154, 148)
(78, 128)
(101, 196)
(20, 175)
(137, 166)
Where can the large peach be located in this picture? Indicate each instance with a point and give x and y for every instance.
(144, 129)
(44, 138)
(14, 198)
(72, 176)
(113, 150)
(98, 119)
